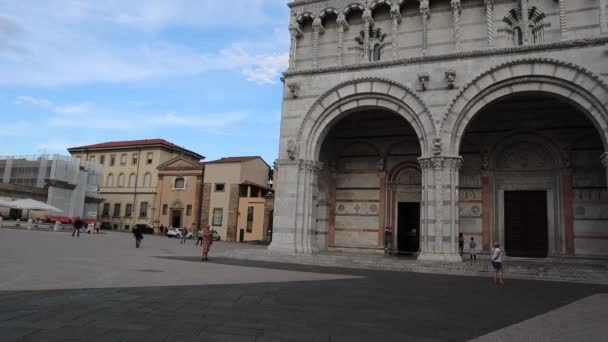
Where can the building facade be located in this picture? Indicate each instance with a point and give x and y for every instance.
(256, 203)
(130, 176)
(434, 118)
(60, 181)
(224, 180)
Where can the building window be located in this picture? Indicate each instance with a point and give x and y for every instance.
(143, 209)
(514, 29)
(218, 214)
(135, 158)
(147, 180)
(189, 210)
(112, 160)
(123, 159)
(376, 54)
(149, 157)
(92, 159)
(121, 180)
(110, 182)
(220, 187)
(249, 219)
(128, 210)
(102, 160)
(106, 209)
(116, 210)
(132, 180)
(180, 183)
(165, 209)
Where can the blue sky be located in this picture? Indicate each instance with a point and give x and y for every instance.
(203, 74)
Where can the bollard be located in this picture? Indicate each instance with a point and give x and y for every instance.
(29, 224)
(1, 219)
(56, 226)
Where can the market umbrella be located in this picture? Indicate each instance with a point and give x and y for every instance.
(6, 204)
(30, 204)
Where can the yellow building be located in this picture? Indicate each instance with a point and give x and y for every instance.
(130, 177)
(222, 190)
(255, 212)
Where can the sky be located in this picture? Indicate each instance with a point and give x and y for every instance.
(203, 74)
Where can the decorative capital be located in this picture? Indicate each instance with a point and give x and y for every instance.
(317, 24)
(440, 163)
(424, 78)
(295, 30)
(341, 21)
(310, 166)
(489, 3)
(456, 6)
(604, 159)
(424, 8)
(396, 12)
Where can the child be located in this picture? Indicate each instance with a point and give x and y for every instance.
(472, 252)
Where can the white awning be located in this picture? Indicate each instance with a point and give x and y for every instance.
(30, 204)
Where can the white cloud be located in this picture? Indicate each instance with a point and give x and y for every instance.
(33, 101)
(267, 69)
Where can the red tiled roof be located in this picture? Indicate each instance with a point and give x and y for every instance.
(133, 143)
(233, 159)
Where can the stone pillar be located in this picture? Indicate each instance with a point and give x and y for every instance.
(8, 168)
(456, 11)
(486, 212)
(295, 32)
(381, 208)
(568, 196)
(425, 11)
(563, 23)
(524, 21)
(368, 22)
(295, 215)
(605, 162)
(317, 28)
(342, 26)
(440, 211)
(604, 16)
(396, 17)
(490, 22)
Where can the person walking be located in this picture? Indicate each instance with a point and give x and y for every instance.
(184, 236)
(460, 243)
(137, 233)
(497, 264)
(199, 239)
(77, 227)
(97, 227)
(161, 229)
(207, 242)
(472, 251)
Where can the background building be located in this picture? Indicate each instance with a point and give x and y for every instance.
(254, 220)
(60, 181)
(224, 179)
(487, 118)
(130, 175)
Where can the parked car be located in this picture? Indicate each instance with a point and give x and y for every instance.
(105, 226)
(144, 228)
(177, 233)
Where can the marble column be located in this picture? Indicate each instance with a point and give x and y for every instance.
(563, 23)
(486, 211)
(396, 18)
(440, 210)
(568, 197)
(368, 22)
(456, 11)
(295, 214)
(295, 33)
(342, 26)
(604, 16)
(490, 22)
(605, 162)
(524, 21)
(425, 12)
(317, 29)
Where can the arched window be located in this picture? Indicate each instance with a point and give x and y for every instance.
(179, 183)
(518, 36)
(376, 54)
(147, 180)
(132, 180)
(110, 182)
(121, 180)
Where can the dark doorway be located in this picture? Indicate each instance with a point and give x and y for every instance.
(176, 218)
(408, 230)
(526, 225)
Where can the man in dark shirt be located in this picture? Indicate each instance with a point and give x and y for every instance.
(77, 226)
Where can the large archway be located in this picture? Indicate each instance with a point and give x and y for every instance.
(371, 174)
(532, 179)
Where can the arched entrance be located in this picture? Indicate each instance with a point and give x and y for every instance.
(526, 155)
(357, 193)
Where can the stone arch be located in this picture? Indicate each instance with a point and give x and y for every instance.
(351, 7)
(304, 16)
(396, 172)
(548, 148)
(360, 93)
(327, 11)
(564, 80)
(377, 3)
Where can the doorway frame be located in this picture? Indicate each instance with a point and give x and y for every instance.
(181, 216)
(396, 229)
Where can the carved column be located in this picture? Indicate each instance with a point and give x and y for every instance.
(490, 22)
(295, 213)
(396, 16)
(295, 32)
(605, 162)
(456, 11)
(567, 201)
(342, 26)
(563, 24)
(425, 11)
(524, 21)
(440, 211)
(604, 16)
(368, 22)
(486, 211)
(317, 28)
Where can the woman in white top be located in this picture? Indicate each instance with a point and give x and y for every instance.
(497, 264)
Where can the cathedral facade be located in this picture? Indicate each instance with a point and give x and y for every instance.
(428, 119)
